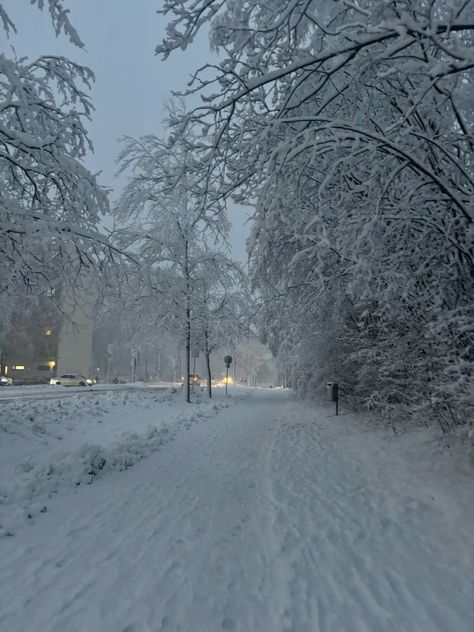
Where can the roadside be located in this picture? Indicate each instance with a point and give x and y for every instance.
(46, 391)
(51, 445)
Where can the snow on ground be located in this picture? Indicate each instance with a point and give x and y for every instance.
(47, 443)
(266, 515)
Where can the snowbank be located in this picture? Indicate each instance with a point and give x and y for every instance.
(48, 445)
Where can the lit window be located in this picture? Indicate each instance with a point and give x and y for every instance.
(18, 367)
(51, 364)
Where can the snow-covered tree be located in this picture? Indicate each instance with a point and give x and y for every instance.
(50, 203)
(180, 242)
(222, 314)
(348, 125)
(255, 359)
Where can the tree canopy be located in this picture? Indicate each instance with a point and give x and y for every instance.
(348, 126)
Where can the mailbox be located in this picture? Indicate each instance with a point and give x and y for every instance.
(332, 389)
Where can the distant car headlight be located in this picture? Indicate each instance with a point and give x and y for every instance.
(89, 381)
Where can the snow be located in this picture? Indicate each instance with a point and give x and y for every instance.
(47, 391)
(260, 514)
(51, 443)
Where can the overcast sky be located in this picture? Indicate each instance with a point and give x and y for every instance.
(132, 83)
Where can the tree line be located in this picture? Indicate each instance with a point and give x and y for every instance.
(347, 126)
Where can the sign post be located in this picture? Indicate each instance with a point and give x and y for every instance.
(228, 362)
(195, 355)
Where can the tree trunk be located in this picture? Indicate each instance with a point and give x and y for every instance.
(207, 352)
(188, 351)
(208, 364)
(188, 324)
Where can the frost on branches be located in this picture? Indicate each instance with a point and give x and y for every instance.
(186, 283)
(349, 126)
(50, 204)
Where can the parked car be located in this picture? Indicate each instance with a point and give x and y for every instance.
(71, 379)
(5, 381)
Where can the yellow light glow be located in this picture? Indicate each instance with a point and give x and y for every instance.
(51, 364)
(48, 331)
(221, 383)
(6, 370)
(18, 367)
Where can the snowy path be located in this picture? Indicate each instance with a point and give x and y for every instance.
(253, 520)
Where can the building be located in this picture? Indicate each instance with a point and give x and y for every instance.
(42, 341)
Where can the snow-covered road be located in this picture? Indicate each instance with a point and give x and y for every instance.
(265, 517)
(45, 391)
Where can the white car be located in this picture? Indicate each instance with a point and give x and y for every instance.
(71, 379)
(5, 381)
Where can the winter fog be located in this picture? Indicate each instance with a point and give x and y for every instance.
(237, 315)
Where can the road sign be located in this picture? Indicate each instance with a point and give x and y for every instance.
(228, 360)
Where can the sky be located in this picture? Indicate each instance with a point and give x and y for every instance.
(132, 84)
